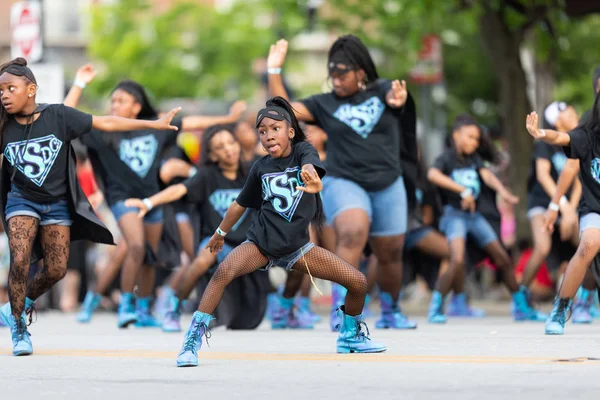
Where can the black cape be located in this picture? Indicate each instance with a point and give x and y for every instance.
(86, 225)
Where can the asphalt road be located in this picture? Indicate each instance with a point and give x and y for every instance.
(493, 358)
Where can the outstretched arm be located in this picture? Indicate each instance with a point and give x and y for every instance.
(549, 136)
(169, 195)
(492, 181)
(175, 167)
(443, 181)
(118, 124)
(196, 122)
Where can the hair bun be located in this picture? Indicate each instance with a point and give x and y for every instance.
(19, 61)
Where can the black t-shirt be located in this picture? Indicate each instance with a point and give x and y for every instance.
(41, 161)
(284, 213)
(212, 193)
(141, 152)
(463, 170)
(537, 196)
(363, 142)
(586, 148)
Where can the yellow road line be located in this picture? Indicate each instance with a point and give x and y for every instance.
(371, 358)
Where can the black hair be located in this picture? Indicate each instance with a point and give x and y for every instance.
(25, 73)
(299, 136)
(592, 124)
(596, 77)
(139, 93)
(486, 150)
(207, 135)
(357, 54)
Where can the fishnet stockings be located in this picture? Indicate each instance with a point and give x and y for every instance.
(242, 260)
(324, 264)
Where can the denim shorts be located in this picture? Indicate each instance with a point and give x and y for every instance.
(414, 237)
(387, 208)
(589, 221)
(56, 213)
(456, 224)
(220, 255)
(155, 216)
(288, 261)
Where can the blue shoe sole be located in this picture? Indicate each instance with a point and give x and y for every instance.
(347, 350)
(554, 333)
(22, 353)
(186, 364)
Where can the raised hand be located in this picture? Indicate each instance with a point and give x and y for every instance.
(532, 126)
(398, 94)
(139, 204)
(164, 123)
(277, 54)
(85, 74)
(312, 182)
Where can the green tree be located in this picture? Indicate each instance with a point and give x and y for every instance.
(190, 50)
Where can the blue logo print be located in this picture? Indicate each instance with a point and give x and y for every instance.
(596, 169)
(559, 160)
(363, 117)
(221, 199)
(35, 161)
(469, 178)
(280, 189)
(139, 153)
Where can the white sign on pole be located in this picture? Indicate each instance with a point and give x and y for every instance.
(26, 29)
(51, 83)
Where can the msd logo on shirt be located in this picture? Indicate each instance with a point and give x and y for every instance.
(469, 178)
(280, 189)
(362, 117)
(139, 153)
(35, 161)
(221, 199)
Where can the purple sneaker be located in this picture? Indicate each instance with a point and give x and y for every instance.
(459, 307)
(391, 316)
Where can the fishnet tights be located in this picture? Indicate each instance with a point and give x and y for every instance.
(322, 264)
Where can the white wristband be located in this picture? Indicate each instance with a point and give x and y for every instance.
(147, 203)
(553, 207)
(563, 200)
(220, 232)
(79, 83)
(466, 193)
(543, 132)
(274, 71)
(192, 172)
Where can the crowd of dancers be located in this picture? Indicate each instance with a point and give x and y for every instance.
(316, 186)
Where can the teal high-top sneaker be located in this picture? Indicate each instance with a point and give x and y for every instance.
(144, 314)
(20, 337)
(354, 336)
(582, 311)
(281, 312)
(188, 356)
(521, 308)
(6, 311)
(391, 316)
(126, 314)
(338, 296)
(436, 309)
(90, 303)
(172, 323)
(555, 325)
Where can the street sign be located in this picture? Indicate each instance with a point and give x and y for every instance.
(26, 31)
(429, 68)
